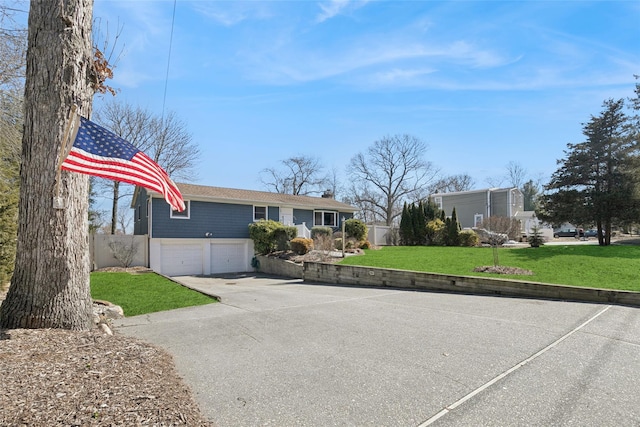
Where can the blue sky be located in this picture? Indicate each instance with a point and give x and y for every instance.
(482, 83)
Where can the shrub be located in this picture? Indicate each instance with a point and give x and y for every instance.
(269, 235)
(503, 225)
(324, 242)
(282, 237)
(366, 245)
(301, 246)
(319, 231)
(356, 228)
(435, 232)
(337, 243)
(468, 238)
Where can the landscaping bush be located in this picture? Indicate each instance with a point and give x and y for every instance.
(282, 237)
(366, 245)
(301, 246)
(337, 243)
(319, 231)
(435, 232)
(270, 235)
(468, 238)
(356, 228)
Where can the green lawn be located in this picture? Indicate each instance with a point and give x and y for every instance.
(610, 267)
(143, 293)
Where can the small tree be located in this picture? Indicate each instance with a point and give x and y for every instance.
(124, 252)
(499, 227)
(535, 239)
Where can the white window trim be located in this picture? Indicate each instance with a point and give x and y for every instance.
(478, 219)
(266, 212)
(335, 214)
(438, 201)
(187, 205)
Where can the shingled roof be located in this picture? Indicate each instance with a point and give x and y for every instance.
(234, 195)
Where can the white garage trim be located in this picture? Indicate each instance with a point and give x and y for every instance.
(173, 257)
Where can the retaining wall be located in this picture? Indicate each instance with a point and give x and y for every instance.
(370, 276)
(279, 267)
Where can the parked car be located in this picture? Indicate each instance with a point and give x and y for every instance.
(566, 232)
(592, 233)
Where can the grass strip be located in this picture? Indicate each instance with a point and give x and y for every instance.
(143, 293)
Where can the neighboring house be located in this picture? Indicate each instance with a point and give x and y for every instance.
(212, 235)
(473, 207)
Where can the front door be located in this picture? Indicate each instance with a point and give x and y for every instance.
(286, 216)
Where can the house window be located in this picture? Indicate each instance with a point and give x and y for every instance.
(259, 212)
(477, 220)
(438, 202)
(185, 214)
(325, 218)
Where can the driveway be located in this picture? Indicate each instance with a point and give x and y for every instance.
(280, 352)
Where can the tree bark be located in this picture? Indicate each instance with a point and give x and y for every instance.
(50, 285)
(114, 207)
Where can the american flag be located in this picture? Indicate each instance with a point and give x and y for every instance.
(99, 152)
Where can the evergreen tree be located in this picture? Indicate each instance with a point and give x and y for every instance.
(453, 229)
(419, 224)
(597, 181)
(431, 210)
(406, 227)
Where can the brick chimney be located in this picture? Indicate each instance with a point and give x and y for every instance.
(328, 194)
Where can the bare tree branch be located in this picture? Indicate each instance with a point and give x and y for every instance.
(391, 171)
(300, 175)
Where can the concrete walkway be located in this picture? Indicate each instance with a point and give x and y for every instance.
(280, 352)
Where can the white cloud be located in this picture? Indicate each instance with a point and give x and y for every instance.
(333, 8)
(229, 14)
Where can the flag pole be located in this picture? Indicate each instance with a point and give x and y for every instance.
(64, 151)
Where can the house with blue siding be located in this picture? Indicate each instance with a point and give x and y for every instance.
(211, 235)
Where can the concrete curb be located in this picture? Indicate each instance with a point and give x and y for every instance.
(380, 277)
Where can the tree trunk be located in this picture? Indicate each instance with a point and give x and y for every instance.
(114, 206)
(50, 285)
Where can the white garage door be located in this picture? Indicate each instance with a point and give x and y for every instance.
(228, 258)
(181, 259)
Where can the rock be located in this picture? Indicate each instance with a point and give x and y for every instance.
(103, 311)
(105, 329)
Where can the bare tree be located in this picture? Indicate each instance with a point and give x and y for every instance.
(452, 183)
(50, 284)
(391, 171)
(167, 141)
(172, 147)
(516, 174)
(13, 49)
(367, 202)
(300, 175)
(124, 251)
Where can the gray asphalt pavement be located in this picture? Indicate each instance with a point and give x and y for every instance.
(280, 352)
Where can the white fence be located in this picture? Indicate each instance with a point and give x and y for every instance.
(380, 235)
(105, 248)
(303, 231)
